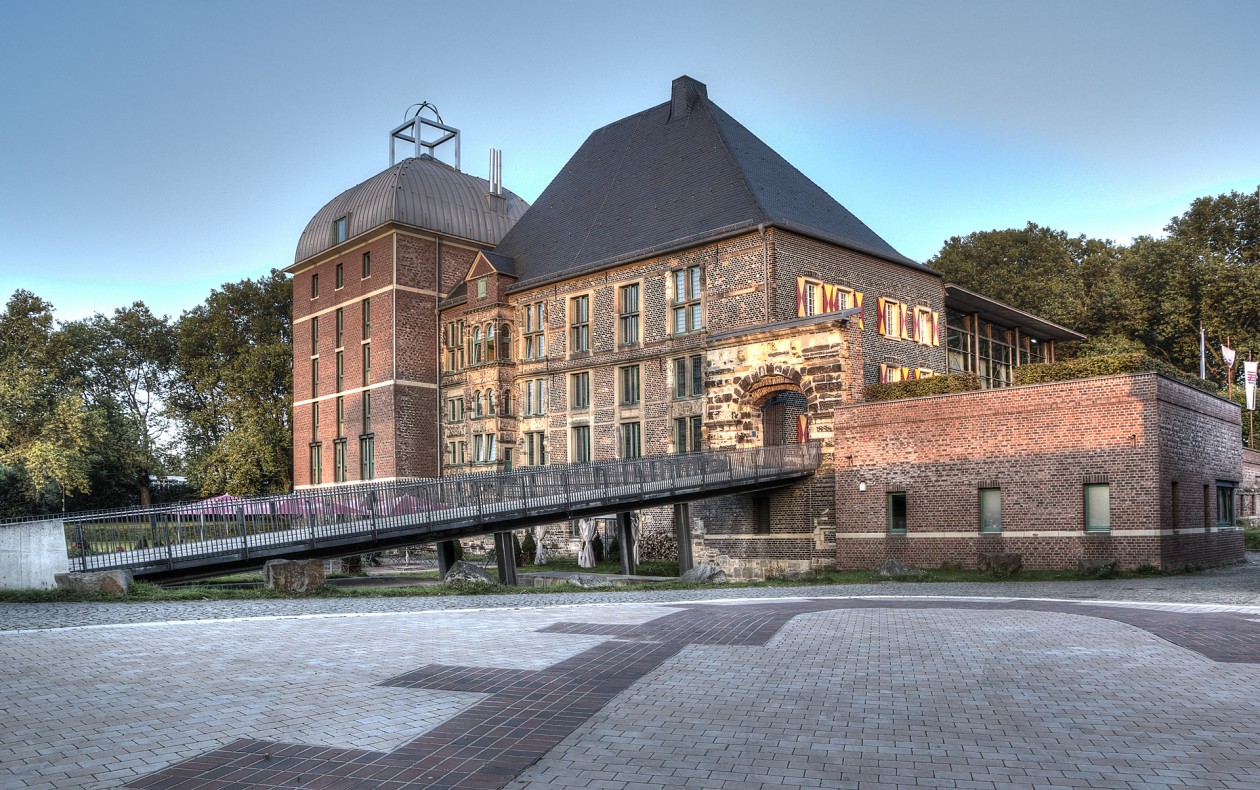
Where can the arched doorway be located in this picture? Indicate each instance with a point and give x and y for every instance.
(782, 418)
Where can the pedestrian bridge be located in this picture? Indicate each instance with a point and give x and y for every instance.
(228, 534)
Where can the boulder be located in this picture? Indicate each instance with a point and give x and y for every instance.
(589, 580)
(1003, 564)
(299, 576)
(1098, 569)
(705, 574)
(107, 582)
(467, 573)
(894, 569)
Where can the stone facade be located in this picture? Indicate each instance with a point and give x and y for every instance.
(1155, 450)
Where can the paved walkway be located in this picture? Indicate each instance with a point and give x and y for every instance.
(792, 690)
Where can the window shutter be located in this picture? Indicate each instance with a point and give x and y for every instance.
(800, 297)
(883, 373)
(883, 329)
(905, 374)
(861, 316)
(901, 314)
(936, 329)
(802, 429)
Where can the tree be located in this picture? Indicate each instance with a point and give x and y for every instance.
(123, 365)
(233, 394)
(48, 435)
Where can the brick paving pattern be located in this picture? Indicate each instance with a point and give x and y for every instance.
(813, 693)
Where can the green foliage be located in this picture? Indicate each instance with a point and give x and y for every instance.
(1251, 538)
(597, 546)
(234, 388)
(528, 547)
(1111, 365)
(918, 388)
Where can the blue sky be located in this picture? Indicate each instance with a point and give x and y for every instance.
(155, 150)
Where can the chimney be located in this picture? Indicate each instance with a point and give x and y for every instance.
(496, 172)
(684, 94)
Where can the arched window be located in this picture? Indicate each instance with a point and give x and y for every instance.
(505, 344)
(477, 412)
(507, 403)
(490, 346)
(476, 346)
(492, 399)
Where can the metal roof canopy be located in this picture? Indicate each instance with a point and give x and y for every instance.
(995, 312)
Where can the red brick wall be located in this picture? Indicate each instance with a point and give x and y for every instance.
(1039, 445)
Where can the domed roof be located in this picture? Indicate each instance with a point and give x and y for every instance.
(422, 192)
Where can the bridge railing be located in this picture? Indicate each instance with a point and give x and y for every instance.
(353, 514)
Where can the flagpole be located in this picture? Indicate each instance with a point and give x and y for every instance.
(1202, 352)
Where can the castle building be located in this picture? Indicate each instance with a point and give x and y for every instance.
(678, 286)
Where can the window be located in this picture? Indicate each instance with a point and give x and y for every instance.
(535, 397)
(455, 346)
(687, 433)
(630, 439)
(367, 265)
(476, 345)
(535, 448)
(314, 335)
(507, 403)
(535, 336)
(481, 288)
(628, 320)
(629, 384)
(339, 280)
(811, 303)
(990, 510)
(315, 421)
(367, 364)
(925, 326)
(317, 465)
(367, 412)
(492, 401)
(890, 323)
(339, 462)
(680, 377)
(580, 390)
(484, 450)
(367, 458)
(897, 511)
(455, 409)
(450, 453)
(341, 416)
(341, 230)
(581, 444)
(341, 327)
(341, 370)
(697, 375)
(455, 453)
(505, 344)
(1098, 506)
(580, 324)
(367, 318)
(491, 347)
(315, 377)
(686, 302)
(477, 443)
(478, 407)
(1224, 504)
(314, 286)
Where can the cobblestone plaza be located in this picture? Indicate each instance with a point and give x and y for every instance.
(795, 687)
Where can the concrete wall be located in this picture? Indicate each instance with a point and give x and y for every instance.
(32, 554)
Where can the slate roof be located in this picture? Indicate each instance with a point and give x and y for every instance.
(677, 174)
(419, 191)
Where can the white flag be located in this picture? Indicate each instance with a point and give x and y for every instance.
(1249, 373)
(1228, 354)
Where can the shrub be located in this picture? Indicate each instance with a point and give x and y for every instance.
(614, 549)
(597, 546)
(918, 388)
(528, 548)
(1251, 538)
(1109, 365)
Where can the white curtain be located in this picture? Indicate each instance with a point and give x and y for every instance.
(586, 557)
(540, 532)
(634, 530)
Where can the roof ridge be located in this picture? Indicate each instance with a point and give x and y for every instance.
(762, 213)
(612, 183)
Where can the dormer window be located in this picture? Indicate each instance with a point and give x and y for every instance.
(340, 230)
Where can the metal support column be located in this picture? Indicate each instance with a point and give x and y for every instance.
(446, 556)
(625, 539)
(506, 556)
(682, 529)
